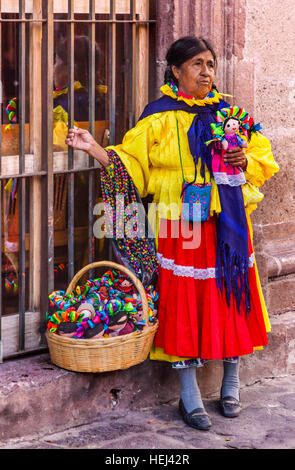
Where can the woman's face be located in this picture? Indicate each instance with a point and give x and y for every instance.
(195, 76)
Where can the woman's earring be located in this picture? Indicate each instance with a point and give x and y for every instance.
(173, 87)
(172, 81)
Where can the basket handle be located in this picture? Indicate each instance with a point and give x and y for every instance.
(125, 270)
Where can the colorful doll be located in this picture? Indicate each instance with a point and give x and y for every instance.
(67, 316)
(67, 329)
(119, 324)
(231, 138)
(152, 298)
(110, 302)
(230, 121)
(86, 310)
(10, 283)
(125, 286)
(103, 294)
(96, 332)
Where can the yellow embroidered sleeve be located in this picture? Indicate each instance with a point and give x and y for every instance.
(261, 164)
(134, 153)
(260, 167)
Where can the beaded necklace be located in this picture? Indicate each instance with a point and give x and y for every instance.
(138, 251)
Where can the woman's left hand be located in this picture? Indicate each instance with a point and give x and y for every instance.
(236, 157)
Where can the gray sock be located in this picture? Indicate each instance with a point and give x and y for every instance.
(230, 383)
(190, 393)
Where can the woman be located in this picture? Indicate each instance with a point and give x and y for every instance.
(211, 305)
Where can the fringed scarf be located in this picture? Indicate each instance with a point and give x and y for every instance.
(232, 259)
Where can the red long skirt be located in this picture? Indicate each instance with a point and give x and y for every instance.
(194, 317)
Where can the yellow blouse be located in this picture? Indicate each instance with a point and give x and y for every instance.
(150, 154)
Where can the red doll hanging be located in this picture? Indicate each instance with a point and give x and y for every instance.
(231, 124)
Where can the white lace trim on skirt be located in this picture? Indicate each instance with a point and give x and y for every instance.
(190, 271)
(232, 180)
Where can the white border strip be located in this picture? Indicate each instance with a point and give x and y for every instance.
(190, 271)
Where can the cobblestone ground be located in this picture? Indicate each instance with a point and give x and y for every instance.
(267, 421)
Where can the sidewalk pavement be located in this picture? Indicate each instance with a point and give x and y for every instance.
(267, 421)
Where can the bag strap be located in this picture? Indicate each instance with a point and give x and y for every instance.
(179, 150)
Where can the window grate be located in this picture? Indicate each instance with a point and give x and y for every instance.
(37, 163)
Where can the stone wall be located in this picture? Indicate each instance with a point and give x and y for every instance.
(269, 37)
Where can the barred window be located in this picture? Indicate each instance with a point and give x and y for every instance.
(62, 63)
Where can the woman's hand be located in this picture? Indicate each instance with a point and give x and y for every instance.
(81, 139)
(236, 157)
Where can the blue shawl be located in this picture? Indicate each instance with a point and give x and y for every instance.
(232, 254)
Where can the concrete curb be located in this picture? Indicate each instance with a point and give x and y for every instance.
(36, 396)
(267, 421)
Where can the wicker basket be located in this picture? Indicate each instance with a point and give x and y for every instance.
(103, 354)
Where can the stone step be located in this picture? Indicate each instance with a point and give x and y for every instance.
(275, 256)
(279, 294)
(281, 263)
(36, 396)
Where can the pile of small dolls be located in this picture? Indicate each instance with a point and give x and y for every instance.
(104, 307)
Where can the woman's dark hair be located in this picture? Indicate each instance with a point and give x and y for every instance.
(182, 50)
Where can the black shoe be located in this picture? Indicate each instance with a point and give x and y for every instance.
(198, 418)
(230, 407)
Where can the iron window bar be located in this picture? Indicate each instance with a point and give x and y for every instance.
(58, 20)
(47, 237)
(22, 182)
(1, 299)
(71, 179)
(22, 20)
(139, 22)
(91, 118)
(132, 49)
